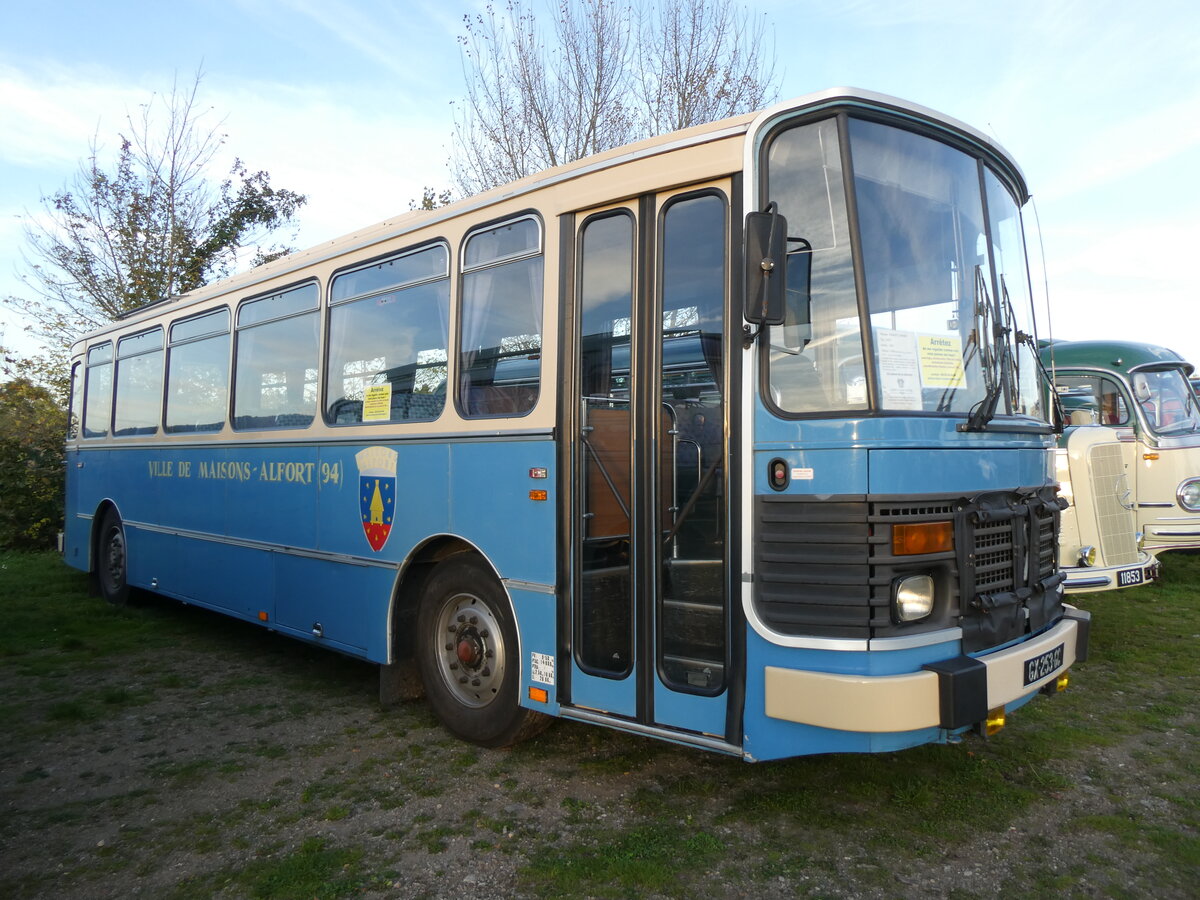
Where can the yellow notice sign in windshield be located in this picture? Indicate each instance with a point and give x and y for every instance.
(941, 360)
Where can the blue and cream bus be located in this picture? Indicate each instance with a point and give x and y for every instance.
(731, 437)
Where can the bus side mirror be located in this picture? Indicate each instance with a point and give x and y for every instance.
(766, 269)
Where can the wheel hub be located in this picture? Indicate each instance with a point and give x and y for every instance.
(472, 658)
(470, 650)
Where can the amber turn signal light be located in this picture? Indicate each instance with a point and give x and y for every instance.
(922, 537)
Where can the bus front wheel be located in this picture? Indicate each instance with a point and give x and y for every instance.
(112, 560)
(468, 655)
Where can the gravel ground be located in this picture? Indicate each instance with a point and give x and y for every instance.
(212, 767)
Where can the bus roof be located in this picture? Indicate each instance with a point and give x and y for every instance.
(1115, 356)
(735, 127)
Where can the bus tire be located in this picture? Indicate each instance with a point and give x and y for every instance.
(112, 560)
(467, 646)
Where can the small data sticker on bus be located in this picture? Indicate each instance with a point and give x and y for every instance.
(1044, 664)
(541, 668)
(1127, 577)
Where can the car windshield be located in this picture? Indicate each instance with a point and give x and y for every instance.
(943, 269)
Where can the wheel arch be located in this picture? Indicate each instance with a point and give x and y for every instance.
(406, 598)
(105, 506)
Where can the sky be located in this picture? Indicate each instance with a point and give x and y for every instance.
(351, 103)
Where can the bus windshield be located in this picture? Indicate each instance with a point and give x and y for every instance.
(1166, 401)
(943, 270)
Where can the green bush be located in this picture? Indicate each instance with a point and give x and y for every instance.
(31, 465)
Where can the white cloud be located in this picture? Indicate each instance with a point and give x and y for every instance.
(1121, 282)
(49, 116)
(1130, 144)
(357, 164)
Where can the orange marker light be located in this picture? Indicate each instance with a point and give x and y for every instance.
(922, 537)
(262, 615)
(539, 695)
(538, 495)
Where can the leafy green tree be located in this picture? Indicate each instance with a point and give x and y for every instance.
(147, 225)
(32, 424)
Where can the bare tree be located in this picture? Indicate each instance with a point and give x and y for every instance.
(607, 73)
(148, 226)
(703, 61)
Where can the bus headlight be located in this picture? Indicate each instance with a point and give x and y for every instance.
(1087, 556)
(912, 598)
(1189, 495)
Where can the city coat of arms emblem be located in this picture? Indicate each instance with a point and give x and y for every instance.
(377, 493)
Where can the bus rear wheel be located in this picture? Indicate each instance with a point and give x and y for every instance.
(468, 655)
(112, 560)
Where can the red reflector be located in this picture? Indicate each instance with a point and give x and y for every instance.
(922, 537)
(777, 472)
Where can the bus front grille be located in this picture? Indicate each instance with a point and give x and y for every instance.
(825, 568)
(1114, 519)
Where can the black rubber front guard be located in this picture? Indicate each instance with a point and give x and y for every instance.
(962, 681)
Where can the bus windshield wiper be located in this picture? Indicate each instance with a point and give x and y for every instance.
(1001, 362)
(987, 335)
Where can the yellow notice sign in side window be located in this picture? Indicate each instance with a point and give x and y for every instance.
(377, 403)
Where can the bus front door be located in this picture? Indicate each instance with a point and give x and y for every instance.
(647, 411)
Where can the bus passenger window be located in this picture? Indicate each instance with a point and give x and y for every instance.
(388, 327)
(275, 382)
(198, 373)
(97, 406)
(139, 384)
(500, 360)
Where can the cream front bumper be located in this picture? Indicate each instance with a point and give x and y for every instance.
(953, 694)
(1084, 579)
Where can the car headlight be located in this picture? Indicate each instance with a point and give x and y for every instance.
(1189, 495)
(1087, 556)
(912, 598)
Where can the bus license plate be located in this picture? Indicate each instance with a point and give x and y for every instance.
(1127, 577)
(1044, 664)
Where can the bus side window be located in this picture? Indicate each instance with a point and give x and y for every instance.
(76, 414)
(1113, 408)
(1098, 397)
(388, 332)
(275, 378)
(501, 336)
(137, 406)
(97, 404)
(198, 373)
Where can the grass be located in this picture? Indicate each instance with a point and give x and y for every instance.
(296, 785)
